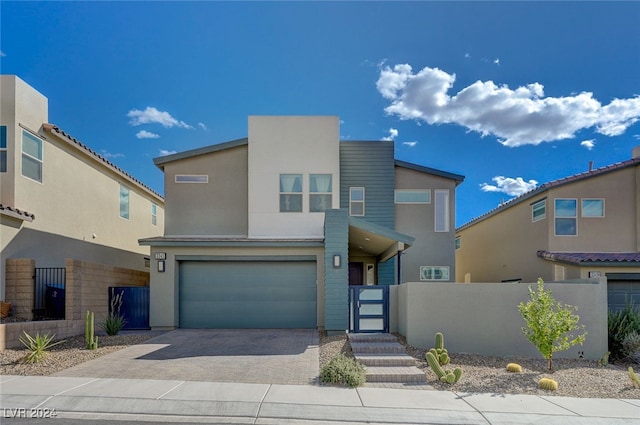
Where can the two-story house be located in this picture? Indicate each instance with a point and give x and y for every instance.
(270, 230)
(582, 226)
(59, 199)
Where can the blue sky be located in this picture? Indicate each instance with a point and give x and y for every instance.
(508, 94)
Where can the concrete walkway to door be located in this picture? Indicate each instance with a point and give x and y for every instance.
(260, 356)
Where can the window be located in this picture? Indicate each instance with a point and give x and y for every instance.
(458, 242)
(434, 272)
(3, 148)
(593, 207)
(356, 201)
(154, 214)
(566, 221)
(290, 192)
(412, 196)
(539, 210)
(124, 202)
(191, 178)
(31, 156)
(320, 197)
(442, 210)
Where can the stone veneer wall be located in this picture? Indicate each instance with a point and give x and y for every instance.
(86, 289)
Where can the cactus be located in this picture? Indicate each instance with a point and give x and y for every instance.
(439, 352)
(604, 361)
(635, 381)
(89, 328)
(448, 376)
(514, 367)
(548, 384)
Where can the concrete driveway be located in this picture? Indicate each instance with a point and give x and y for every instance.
(262, 356)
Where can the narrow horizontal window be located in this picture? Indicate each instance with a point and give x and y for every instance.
(191, 178)
(412, 196)
(434, 272)
(593, 208)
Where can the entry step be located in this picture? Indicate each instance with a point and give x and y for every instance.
(395, 374)
(364, 348)
(371, 337)
(386, 360)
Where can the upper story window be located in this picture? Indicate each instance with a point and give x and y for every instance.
(566, 217)
(539, 210)
(3, 148)
(458, 242)
(290, 192)
(434, 272)
(356, 201)
(441, 210)
(320, 192)
(154, 214)
(124, 202)
(412, 196)
(31, 156)
(593, 208)
(191, 178)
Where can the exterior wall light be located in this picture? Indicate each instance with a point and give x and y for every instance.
(337, 261)
(161, 266)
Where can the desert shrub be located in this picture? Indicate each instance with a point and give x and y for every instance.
(343, 370)
(620, 324)
(113, 323)
(631, 346)
(37, 346)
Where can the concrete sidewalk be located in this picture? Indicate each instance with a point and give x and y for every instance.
(214, 402)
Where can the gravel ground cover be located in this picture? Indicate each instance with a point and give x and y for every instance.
(487, 374)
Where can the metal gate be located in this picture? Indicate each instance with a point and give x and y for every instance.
(49, 293)
(368, 308)
(135, 305)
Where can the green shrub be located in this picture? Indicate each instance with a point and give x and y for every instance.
(343, 370)
(37, 346)
(113, 324)
(621, 323)
(631, 346)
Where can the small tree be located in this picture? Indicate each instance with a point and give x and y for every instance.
(549, 323)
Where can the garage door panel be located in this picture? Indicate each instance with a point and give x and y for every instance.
(248, 295)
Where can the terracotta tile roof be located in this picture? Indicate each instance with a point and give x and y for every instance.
(15, 212)
(51, 128)
(552, 184)
(584, 258)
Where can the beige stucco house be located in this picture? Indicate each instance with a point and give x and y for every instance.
(272, 229)
(582, 226)
(59, 199)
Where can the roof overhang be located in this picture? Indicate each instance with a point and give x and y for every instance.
(369, 239)
(12, 212)
(593, 259)
(182, 241)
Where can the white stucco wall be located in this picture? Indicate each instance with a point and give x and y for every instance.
(289, 145)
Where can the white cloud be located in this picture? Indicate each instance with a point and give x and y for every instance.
(164, 152)
(393, 133)
(144, 134)
(509, 185)
(496, 61)
(589, 144)
(410, 144)
(110, 155)
(516, 117)
(202, 126)
(467, 55)
(153, 116)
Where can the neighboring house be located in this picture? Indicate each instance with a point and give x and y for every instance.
(582, 226)
(59, 199)
(269, 231)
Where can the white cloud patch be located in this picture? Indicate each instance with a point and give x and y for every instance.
(164, 152)
(589, 144)
(144, 134)
(520, 116)
(410, 144)
(110, 155)
(393, 133)
(509, 185)
(153, 116)
(202, 126)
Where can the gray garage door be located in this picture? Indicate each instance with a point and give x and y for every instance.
(246, 295)
(622, 287)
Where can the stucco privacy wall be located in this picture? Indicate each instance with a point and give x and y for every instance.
(86, 289)
(483, 318)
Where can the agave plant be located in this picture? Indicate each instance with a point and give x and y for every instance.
(37, 346)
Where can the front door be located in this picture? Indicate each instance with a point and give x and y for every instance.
(356, 273)
(368, 308)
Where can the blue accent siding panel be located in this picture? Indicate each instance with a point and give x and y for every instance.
(135, 305)
(387, 272)
(370, 165)
(336, 280)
